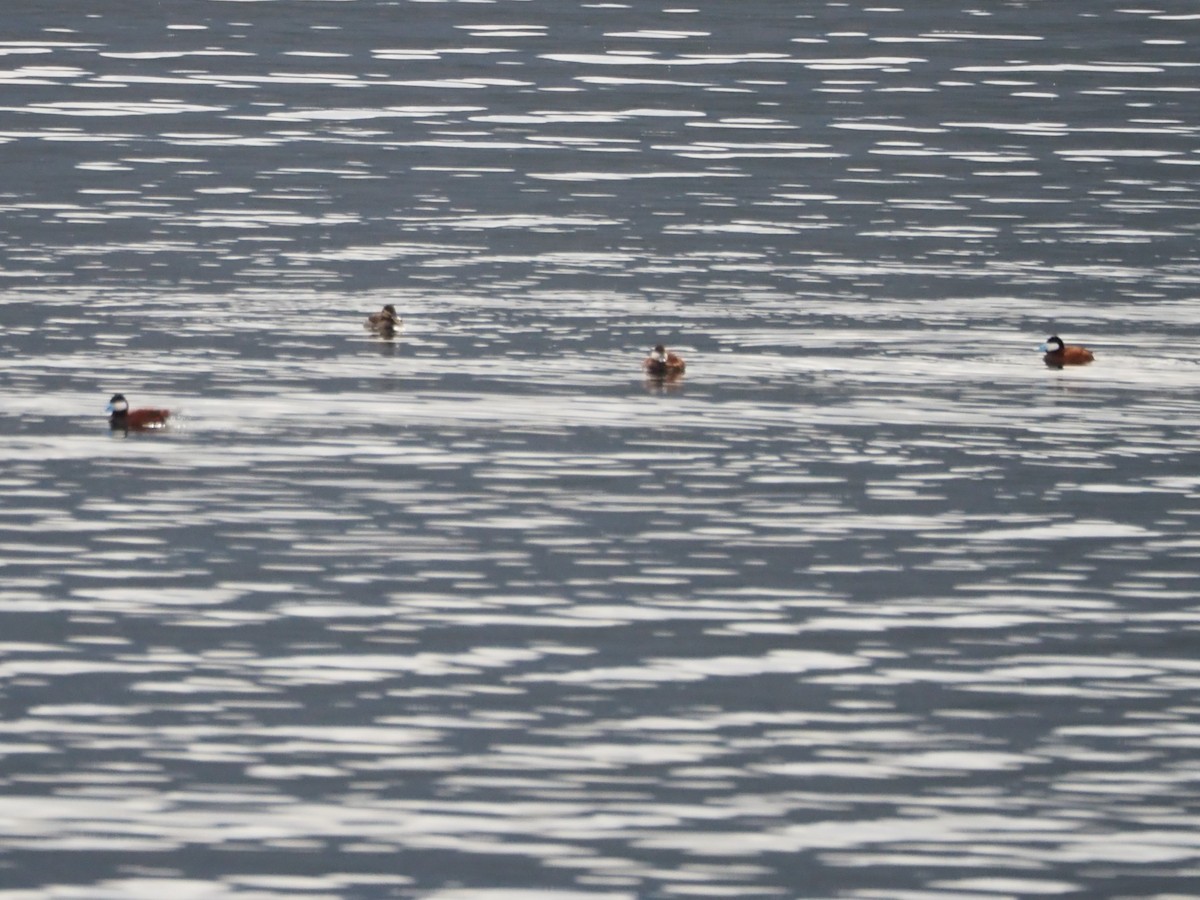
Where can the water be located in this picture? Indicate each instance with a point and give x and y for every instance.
(869, 604)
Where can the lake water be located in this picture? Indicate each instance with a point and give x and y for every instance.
(869, 604)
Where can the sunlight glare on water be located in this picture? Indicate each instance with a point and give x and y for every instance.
(869, 603)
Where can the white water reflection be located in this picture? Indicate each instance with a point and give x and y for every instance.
(869, 603)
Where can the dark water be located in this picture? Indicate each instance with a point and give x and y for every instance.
(869, 604)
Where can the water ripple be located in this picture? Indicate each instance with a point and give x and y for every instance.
(870, 602)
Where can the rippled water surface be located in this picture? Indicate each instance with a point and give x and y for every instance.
(869, 604)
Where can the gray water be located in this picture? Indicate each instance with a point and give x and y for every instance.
(870, 604)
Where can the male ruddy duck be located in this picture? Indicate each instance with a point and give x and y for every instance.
(1059, 354)
(662, 364)
(121, 416)
(386, 321)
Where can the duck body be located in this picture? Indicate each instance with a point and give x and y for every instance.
(1059, 354)
(662, 364)
(121, 416)
(386, 321)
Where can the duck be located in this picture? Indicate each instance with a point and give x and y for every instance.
(121, 416)
(386, 321)
(1059, 354)
(662, 364)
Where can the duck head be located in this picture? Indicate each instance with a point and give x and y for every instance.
(1053, 344)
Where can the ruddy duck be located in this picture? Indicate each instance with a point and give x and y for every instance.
(386, 321)
(1059, 354)
(662, 364)
(121, 416)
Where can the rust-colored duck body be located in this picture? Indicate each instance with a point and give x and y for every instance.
(1059, 354)
(120, 416)
(662, 364)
